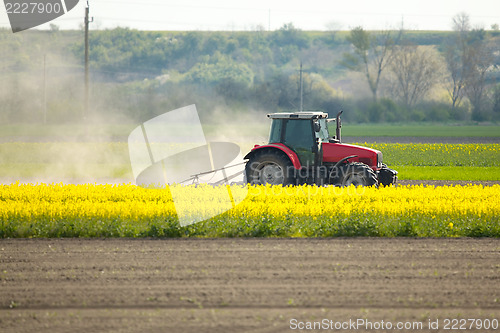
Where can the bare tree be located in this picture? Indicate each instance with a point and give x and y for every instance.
(481, 58)
(416, 70)
(371, 54)
(333, 27)
(496, 102)
(457, 77)
(469, 58)
(456, 55)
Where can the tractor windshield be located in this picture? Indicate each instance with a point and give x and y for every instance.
(323, 134)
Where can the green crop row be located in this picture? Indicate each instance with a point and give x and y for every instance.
(439, 154)
(453, 173)
(353, 225)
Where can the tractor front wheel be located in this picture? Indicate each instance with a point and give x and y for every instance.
(269, 168)
(357, 174)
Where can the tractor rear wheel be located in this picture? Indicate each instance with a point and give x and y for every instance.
(269, 168)
(357, 174)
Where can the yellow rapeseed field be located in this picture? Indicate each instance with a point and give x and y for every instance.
(57, 210)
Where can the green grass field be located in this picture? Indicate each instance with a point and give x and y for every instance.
(424, 161)
(104, 160)
(70, 132)
(248, 129)
(375, 130)
(430, 130)
(439, 154)
(408, 172)
(96, 151)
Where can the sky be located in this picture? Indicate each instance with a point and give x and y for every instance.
(234, 15)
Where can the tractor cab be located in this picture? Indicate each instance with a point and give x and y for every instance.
(304, 132)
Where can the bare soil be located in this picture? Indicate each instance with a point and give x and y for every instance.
(243, 285)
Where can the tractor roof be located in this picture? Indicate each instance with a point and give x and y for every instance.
(298, 115)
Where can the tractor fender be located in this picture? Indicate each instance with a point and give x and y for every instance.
(273, 146)
(343, 160)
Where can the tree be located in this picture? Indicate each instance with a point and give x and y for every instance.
(456, 59)
(371, 54)
(222, 70)
(468, 59)
(215, 42)
(416, 70)
(496, 100)
(289, 35)
(481, 59)
(333, 28)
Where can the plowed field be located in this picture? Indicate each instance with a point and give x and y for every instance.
(246, 285)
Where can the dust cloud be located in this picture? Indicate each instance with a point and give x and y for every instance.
(46, 135)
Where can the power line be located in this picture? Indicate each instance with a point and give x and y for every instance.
(281, 10)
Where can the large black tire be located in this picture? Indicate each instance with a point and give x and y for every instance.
(269, 167)
(387, 177)
(357, 174)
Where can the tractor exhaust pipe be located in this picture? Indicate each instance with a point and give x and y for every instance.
(339, 126)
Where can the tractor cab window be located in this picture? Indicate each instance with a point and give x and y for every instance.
(322, 130)
(276, 128)
(299, 137)
(298, 134)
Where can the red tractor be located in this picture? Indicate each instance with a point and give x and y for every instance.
(301, 151)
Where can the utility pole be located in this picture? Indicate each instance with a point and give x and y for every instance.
(301, 90)
(44, 89)
(86, 21)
